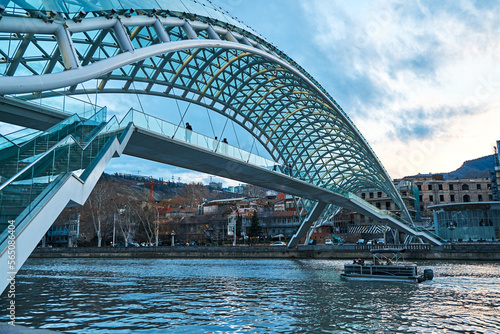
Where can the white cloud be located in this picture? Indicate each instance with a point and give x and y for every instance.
(421, 74)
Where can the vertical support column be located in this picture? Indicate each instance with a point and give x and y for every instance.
(161, 32)
(212, 34)
(68, 53)
(189, 31)
(121, 35)
(306, 224)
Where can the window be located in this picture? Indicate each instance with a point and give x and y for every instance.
(465, 187)
(478, 186)
(377, 205)
(450, 186)
(420, 198)
(379, 194)
(490, 196)
(466, 198)
(419, 186)
(371, 195)
(441, 198)
(429, 187)
(363, 196)
(440, 186)
(387, 205)
(479, 198)
(431, 198)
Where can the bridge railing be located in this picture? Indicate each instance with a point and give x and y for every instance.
(62, 102)
(180, 133)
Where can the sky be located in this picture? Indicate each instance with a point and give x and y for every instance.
(420, 79)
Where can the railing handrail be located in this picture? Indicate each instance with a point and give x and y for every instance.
(62, 142)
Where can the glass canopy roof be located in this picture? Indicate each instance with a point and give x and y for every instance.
(199, 7)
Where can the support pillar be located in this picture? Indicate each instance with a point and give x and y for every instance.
(306, 224)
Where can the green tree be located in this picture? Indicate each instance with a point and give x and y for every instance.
(255, 228)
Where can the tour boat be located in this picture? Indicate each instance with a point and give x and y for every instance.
(388, 265)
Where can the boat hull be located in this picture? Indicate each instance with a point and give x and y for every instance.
(379, 278)
(404, 273)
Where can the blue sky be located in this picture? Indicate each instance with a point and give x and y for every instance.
(420, 79)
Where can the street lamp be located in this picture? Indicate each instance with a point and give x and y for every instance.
(451, 227)
(173, 237)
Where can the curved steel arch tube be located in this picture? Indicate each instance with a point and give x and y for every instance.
(98, 69)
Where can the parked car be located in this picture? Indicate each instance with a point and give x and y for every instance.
(381, 241)
(360, 241)
(369, 242)
(328, 242)
(278, 243)
(312, 242)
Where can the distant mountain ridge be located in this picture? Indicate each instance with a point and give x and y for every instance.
(474, 168)
(479, 167)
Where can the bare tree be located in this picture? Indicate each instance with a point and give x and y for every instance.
(98, 204)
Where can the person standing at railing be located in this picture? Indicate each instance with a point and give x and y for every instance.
(189, 132)
(215, 142)
(224, 146)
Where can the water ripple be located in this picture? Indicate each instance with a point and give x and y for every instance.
(259, 296)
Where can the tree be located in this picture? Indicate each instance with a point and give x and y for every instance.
(98, 203)
(255, 229)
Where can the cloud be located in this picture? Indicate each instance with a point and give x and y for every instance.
(410, 71)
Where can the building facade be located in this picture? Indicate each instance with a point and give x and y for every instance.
(467, 221)
(434, 189)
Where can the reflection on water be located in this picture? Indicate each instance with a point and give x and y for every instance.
(258, 296)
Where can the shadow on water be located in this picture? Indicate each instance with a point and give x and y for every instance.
(258, 296)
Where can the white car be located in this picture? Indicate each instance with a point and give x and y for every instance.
(360, 241)
(278, 243)
(328, 242)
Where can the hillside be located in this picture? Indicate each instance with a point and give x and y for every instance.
(479, 167)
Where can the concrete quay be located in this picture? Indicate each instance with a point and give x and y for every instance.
(463, 251)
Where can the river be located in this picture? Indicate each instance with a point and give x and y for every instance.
(249, 296)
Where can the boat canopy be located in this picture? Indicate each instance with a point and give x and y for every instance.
(389, 250)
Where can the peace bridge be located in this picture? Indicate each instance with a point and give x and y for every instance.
(186, 50)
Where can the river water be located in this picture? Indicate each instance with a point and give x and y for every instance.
(249, 296)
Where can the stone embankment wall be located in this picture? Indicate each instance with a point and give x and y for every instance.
(473, 251)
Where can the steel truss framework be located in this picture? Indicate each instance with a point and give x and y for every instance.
(195, 56)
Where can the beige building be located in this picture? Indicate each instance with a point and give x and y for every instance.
(434, 189)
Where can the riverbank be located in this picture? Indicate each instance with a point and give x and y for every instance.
(464, 251)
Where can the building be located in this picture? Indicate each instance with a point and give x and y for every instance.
(467, 221)
(495, 174)
(434, 189)
(408, 191)
(63, 233)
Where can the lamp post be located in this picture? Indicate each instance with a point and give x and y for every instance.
(173, 237)
(157, 225)
(451, 227)
(114, 228)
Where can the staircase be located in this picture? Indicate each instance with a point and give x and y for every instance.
(41, 173)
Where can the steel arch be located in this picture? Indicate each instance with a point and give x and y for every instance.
(195, 58)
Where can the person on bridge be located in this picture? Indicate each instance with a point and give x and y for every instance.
(189, 131)
(215, 144)
(224, 146)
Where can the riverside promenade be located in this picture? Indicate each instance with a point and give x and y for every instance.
(459, 251)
